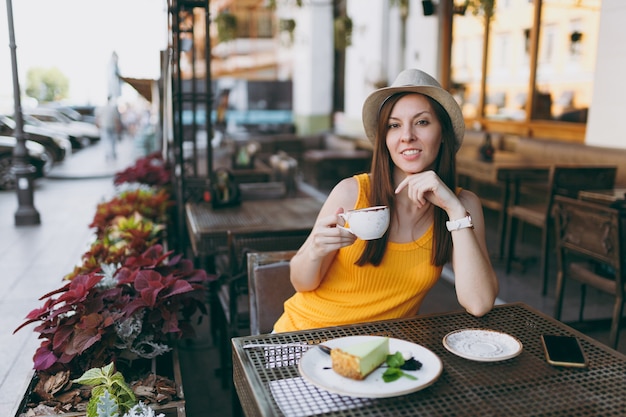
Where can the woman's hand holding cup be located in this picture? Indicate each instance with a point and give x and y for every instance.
(367, 223)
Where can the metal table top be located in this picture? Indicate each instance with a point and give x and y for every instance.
(522, 386)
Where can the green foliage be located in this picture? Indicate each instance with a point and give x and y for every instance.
(226, 26)
(107, 385)
(478, 7)
(142, 410)
(46, 84)
(400, 3)
(395, 365)
(287, 25)
(271, 4)
(482, 7)
(343, 32)
(106, 406)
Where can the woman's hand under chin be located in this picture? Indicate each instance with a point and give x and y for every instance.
(426, 187)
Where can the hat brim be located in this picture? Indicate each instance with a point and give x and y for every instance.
(371, 108)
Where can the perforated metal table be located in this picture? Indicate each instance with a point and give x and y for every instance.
(522, 386)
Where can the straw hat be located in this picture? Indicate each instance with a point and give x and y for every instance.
(414, 81)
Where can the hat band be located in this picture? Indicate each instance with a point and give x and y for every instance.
(380, 108)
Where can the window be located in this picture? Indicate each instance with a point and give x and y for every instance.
(549, 53)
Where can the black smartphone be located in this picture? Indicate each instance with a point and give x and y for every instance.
(563, 351)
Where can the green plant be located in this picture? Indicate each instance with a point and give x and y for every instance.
(271, 4)
(110, 393)
(130, 311)
(142, 410)
(226, 26)
(124, 304)
(481, 7)
(343, 32)
(47, 84)
(287, 26)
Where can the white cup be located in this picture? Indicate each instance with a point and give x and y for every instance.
(366, 223)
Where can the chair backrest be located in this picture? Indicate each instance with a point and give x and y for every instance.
(268, 288)
(591, 231)
(569, 180)
(241, 243)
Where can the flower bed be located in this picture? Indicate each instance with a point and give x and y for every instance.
(157, 382)
(126, 303)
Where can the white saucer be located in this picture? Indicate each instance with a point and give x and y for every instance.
(482, 345)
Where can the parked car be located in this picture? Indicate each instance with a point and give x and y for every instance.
(77, 113)
(37, 157)
(81, 133)
(87, 112)
(57, 144)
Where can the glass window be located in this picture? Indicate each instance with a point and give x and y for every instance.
(466, 64)
(566, 63)
(508, 69)
(565, 58)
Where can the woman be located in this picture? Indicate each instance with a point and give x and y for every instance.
(415, 127)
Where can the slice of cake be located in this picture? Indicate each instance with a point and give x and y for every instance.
(358, 360)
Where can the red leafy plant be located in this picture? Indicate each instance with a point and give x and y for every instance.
(150, 170)
(124, 313)
(150, 203)
(126, 225)
(123, 237)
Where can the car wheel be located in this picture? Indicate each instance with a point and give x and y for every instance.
(48, 162)
(7, 177)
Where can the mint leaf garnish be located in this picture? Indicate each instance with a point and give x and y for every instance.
(391, 374)
(395, 361)
(395, 365)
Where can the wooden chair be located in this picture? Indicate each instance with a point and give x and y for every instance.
(269, 286)
(232, 291)
(591, 249)
(563, 180)
(230, 303)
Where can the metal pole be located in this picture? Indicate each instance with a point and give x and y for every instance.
(209, 93)
(26, 213)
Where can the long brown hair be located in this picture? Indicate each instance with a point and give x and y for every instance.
(382, 186)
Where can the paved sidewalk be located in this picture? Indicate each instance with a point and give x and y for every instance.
(90, 163)
(34, 259)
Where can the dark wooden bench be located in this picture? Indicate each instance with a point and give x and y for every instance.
(323, 168)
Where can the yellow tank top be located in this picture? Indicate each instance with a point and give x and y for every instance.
(354, 294)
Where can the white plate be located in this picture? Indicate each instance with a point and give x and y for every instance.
(315, 366)
(482, 345)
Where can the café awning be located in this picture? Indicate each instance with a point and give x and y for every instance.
(143, 86)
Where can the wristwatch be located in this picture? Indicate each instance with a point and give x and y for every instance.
(462, 223)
